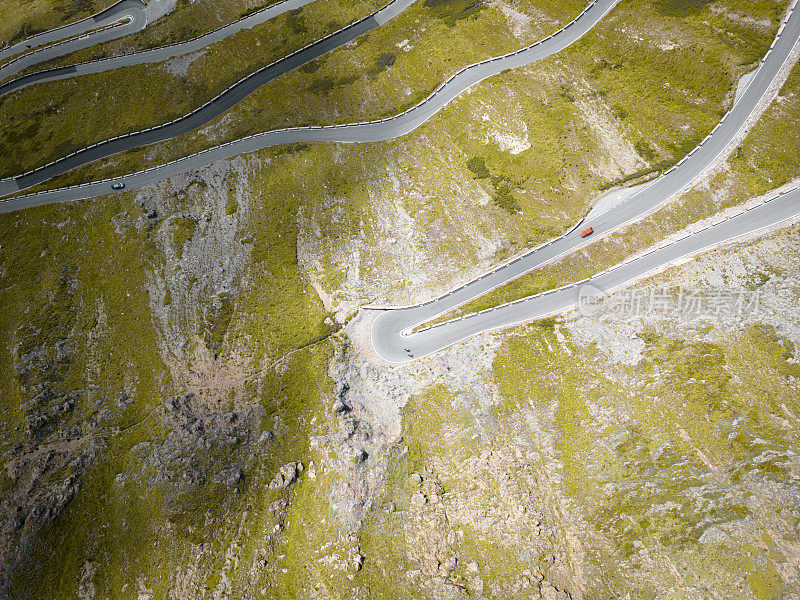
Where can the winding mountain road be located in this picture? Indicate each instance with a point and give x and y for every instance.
(121, 19)
(391, 329)
(391, 340)
(391, 335)
(151, 55)
(380, 130)
(211, 109)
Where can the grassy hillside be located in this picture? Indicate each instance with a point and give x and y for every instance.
(24, 19)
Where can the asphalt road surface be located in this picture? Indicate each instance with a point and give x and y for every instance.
(138, 58)
(212, 109)
(121, 19)
(389, 327)
(381, 130)
(391, 345)
(388, 340)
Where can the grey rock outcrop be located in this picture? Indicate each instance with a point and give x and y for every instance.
(286, 476)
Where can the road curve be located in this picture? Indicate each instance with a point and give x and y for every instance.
(391, 345)
(120, 19)
(211, 109)
(372, 131)
(388, 338)
(144, 56)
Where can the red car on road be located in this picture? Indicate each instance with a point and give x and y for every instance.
(587, 232)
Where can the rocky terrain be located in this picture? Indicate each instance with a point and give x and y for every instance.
(579, 457)
(192, 408)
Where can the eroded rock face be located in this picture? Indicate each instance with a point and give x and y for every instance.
(286, 476)
(230, 476)
(200, 232)
(63, 437)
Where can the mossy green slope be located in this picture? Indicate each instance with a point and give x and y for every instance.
(660, 457)
(76, 280)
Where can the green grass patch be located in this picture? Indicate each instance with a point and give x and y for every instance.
(184, 228)
(477, 164)
(506, 200)
(434, 426)
(22, 20)
(452, 11)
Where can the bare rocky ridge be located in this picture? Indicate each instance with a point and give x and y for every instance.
(198, 222)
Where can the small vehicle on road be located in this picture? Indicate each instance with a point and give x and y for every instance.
(117, 186)
(587, 232)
